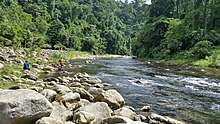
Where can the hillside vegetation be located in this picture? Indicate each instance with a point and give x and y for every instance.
(183, 30)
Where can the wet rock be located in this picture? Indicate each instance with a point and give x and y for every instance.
(145, 108)
(17, 108)
(48, 120)
(99, 85)
(141, 81)
(119, 120)
(112, 97)
(126, 112)
(158, 119)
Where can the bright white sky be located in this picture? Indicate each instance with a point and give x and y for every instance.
(147, 1)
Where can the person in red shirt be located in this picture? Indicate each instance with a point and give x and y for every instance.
(61, 65)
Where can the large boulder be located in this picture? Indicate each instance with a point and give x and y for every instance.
(112, 97)
(126, 112)
(158, 119)
(70, 100)
(22, 106)
(98, 111)
(60, 112)
(48, 120)
(119, 120)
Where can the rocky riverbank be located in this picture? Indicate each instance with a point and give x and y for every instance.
(80, 99)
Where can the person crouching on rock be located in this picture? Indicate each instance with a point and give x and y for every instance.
(60, 65)
(26, 65)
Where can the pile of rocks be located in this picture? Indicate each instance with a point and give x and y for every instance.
(81, 99)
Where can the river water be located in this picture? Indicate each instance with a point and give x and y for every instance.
(183, 96)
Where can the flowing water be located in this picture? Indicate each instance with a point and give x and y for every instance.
(169, 91)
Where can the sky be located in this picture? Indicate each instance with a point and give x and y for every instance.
(147, 1)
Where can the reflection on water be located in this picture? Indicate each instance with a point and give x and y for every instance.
(169, 90)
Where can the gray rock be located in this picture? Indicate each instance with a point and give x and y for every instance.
(99, 109)
(48, 120)
(35, 65)
(126, 112)
(95, 91)
(99, 85)
(6, 77)
(19, 86)
(83, 117)
(158, 119)
(1, 66)
(83, 102)
(141, 81)
(3, 58)
(38, 89)
(142, 117)
(22, 106)
(93, 81)
(48, 93)
(61, 113)
(145, 108)
(83, 93)
(119, 120)
(49, 79)
(112, 97)
(29, 76)
(71, 100)
(48, 68)
(69, 122)
(62, 89)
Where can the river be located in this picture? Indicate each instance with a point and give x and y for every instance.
(183, 96)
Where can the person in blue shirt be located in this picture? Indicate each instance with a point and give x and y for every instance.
(26, 66)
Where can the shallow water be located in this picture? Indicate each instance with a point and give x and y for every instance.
(169, 90)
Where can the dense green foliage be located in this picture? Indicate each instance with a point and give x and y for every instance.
(186, 29)
(98, 26)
